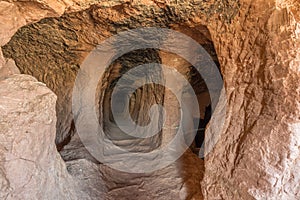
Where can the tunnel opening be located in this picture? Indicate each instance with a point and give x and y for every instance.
(139, 102)
(53, 49)
(255, 153)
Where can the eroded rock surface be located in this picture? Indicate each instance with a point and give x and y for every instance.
(180, 180)
(257, 44)
(257, 152)
(55, 47)
(31, 167)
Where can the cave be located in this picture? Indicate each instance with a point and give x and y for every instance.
(195, 99)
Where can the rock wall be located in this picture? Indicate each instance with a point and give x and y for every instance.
(257, 153)
(31, 168)
(55, 47)
(138, 105)
(257, 44)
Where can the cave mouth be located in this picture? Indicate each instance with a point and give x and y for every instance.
(53, 49)
(144, 97)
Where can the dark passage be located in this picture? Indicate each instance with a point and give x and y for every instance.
(200, 136)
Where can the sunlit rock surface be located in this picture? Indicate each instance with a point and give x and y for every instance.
(31, 167)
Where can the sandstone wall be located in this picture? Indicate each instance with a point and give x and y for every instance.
(31, 167)
(257, 154)
(257, 44)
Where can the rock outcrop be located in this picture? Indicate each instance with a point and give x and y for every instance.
(31, 167)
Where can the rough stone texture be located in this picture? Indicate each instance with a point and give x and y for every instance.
(140, 102)
(181, 180)
(15, 14)
(90, 177)
(67, 52)
(258, 151)
(257, 44)
(8, 68)
(31, 168)
(55, 47)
